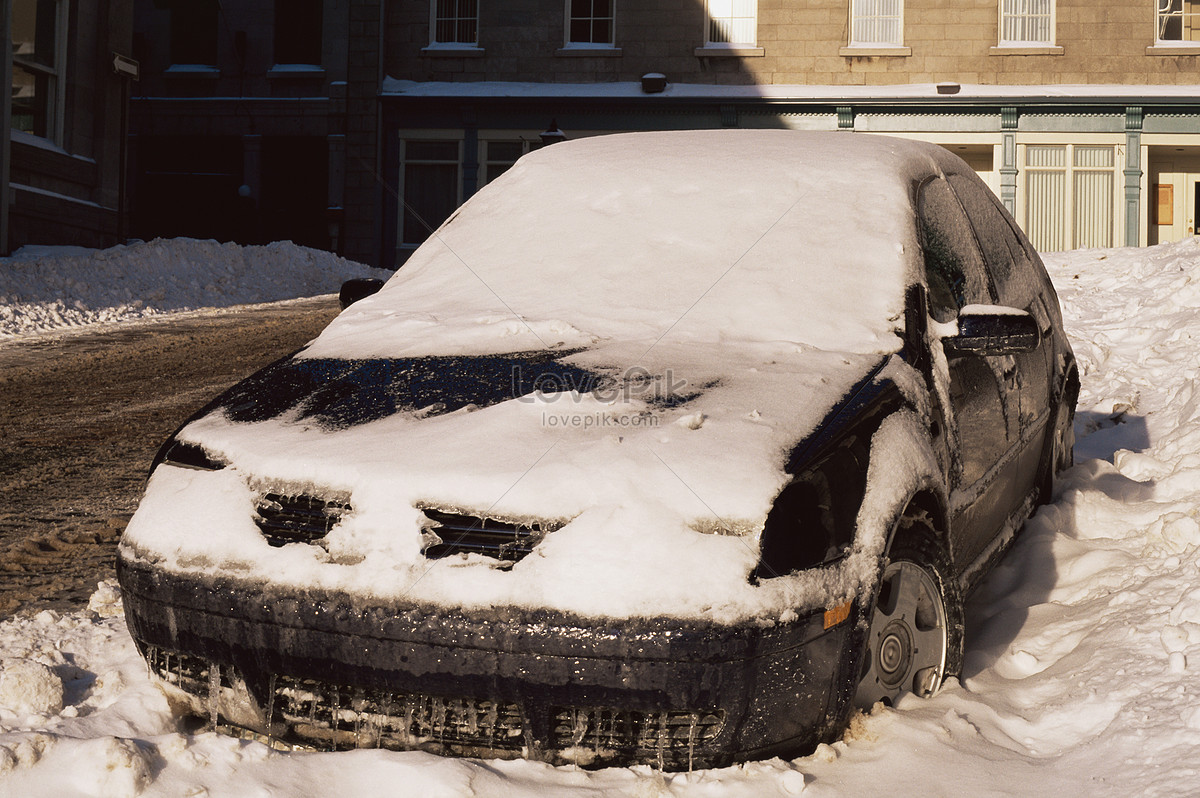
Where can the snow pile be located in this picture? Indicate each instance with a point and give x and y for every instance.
(51, 288)
(1082, 657)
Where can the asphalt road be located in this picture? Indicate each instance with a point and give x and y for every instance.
(83, 414)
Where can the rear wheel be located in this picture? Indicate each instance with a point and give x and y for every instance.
(915, 638)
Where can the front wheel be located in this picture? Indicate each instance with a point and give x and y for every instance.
(1060, 449)
(915, 638)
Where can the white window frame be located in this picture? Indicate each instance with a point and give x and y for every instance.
(434, 18)
(1022, 10)
(1188, 14)
(425, 137)
(859, 13)
(716, 10)
(1069, 170)
(527, 141)
(568, 18)
(56, 104)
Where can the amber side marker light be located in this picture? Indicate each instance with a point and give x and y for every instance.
(836, 615)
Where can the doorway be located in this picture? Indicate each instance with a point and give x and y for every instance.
(1174, 193)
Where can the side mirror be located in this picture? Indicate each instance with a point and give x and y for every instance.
(993, 330)
(356, 289)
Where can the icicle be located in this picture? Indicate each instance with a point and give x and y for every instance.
(214, 692)
(271, 713)
(692, 739)
(409, 734)
(472, 718)
(439, 718)
(357, 705)
(492, 719)
(662, 739)
(578, 732)
(335, 710)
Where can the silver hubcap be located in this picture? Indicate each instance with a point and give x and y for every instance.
(906, 648)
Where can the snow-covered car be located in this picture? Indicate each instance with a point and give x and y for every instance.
(667, 448)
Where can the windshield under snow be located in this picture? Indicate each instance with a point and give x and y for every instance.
(678, 237)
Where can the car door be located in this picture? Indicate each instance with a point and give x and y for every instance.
(982, 391)
(1017, 285)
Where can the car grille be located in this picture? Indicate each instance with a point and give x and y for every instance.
(454, 533)
(345, 717)
(331, 717)
(623, 730)
(297, 519)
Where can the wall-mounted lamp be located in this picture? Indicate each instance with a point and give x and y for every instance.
(552, 135)
(654, 82)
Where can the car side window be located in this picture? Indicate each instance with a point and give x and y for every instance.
(954, 270)
(1008, 261)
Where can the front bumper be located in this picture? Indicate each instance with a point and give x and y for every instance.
(333, 671)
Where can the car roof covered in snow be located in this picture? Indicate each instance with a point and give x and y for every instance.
(770, 237)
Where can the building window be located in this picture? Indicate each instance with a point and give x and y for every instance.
(732, 22)
(455, 22)
(1070, 196)
(430, 191)
(499, 156)
(194, 32)
(1178, 21)
(39, 56)
(298, 31)
(1026, 22)
(590, 22)
(877, 22)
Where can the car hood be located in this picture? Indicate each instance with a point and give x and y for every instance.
(656, 481)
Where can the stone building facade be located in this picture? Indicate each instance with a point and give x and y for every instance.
(256, 121)
(803, 43)
(61, 142)
(1083, 115)
(358, 125)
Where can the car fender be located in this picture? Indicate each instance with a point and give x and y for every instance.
(902, 470)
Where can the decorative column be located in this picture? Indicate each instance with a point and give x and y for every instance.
(1008, 158)
(1133, 176)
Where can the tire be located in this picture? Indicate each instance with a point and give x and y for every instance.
(915, 633)
(1060, 448)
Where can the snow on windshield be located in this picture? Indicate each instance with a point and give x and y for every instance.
(764, 236)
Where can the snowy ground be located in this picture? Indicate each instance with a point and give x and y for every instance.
(1081, 668)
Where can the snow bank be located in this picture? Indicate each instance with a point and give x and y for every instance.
(1081, 663)
(53, 288)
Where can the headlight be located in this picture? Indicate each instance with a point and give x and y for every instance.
(812, 522)
(186, 455)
